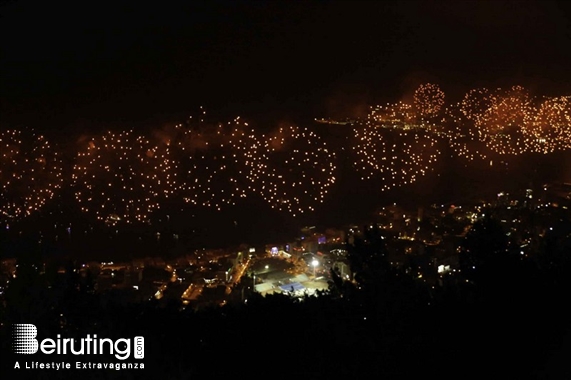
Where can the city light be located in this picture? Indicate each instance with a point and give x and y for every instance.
(314, 263)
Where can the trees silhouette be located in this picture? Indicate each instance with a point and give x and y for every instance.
(484, 250)
(368, 257)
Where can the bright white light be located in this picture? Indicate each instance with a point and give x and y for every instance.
(315, 263)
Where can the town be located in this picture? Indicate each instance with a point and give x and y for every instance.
(424, 243)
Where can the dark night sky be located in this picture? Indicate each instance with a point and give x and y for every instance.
(101, 64)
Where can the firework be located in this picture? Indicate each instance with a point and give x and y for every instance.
(505, 126)
(396, 157)
(428, 101)
(122, 177)
(293, 169)
(551, 126)
(460, 124)
(214, 162)
(30, 173)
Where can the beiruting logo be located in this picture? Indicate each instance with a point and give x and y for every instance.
(25, 342)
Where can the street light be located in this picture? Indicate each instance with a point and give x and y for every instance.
(315, 263)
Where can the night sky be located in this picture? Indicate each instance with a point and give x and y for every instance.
(105, 65)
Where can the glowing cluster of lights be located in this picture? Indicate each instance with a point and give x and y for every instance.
(428, 100)
(510, 122)
(461, 124)
(126, 177)
(292, 169)
(424, 112)
(399, 142)
(396, 115)
(214, 162)
(395, 157)
(551, 126)
(30, 173)
(122, 177)
(505, 126)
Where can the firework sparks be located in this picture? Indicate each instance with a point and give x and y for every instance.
(30, 173)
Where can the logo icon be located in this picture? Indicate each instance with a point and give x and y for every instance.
(24, 341)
